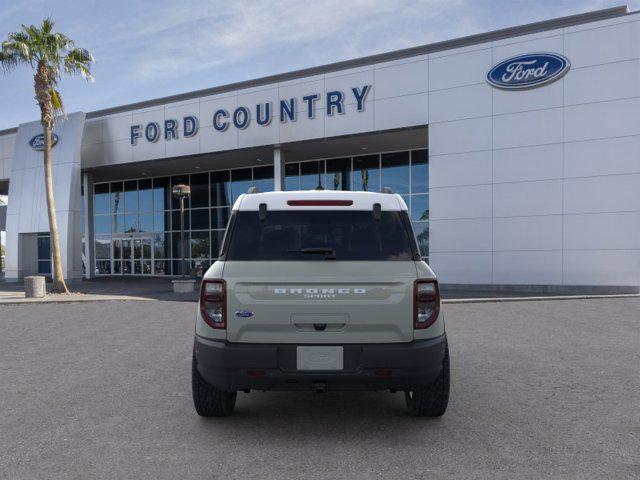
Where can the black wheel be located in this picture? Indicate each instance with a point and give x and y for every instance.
(209, 400)
(432, 400)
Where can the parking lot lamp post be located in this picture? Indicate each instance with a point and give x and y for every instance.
(182, 192)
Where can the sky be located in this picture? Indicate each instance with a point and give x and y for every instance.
(150, 49)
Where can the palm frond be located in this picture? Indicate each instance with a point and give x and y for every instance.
(78, 61)
(56, 101)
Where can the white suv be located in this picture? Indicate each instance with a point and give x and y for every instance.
(320, 290)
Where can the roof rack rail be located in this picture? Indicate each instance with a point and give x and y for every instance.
(253, 190)
(386, 190)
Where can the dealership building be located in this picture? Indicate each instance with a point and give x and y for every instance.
(516, 151)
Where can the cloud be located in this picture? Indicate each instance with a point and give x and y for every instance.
(200, 35)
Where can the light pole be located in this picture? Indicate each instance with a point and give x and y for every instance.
(181, 192)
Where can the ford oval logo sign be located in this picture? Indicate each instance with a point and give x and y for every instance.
(37, 142)
(528, 71)
(244, 314)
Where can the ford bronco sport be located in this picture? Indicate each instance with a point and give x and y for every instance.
(320, 290)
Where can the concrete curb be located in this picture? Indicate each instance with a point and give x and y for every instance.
(537, 299)
(73, 299)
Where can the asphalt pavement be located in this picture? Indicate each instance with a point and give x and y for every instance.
(540, 390)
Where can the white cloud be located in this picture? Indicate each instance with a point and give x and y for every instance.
(200, 35)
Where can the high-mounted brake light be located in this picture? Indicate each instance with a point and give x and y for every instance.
(426, 303)
(319, 203)
(213, 298)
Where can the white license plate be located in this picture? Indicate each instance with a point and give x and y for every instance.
(320, 358)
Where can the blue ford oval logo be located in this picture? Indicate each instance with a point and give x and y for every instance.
(528, 71)
(244, 314)
(37, 142)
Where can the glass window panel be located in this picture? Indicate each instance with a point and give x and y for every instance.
(103, 267)
(200, 245)
(175, 220)
(177, 180)
(219, 217)
(366, 173)
(146, 222)
(216, 242)
(161, 221)
(126, 267)
(145, 195)
(131, 196)
(44, 267)
(137, 249)
(102, 224)
(292, 176)
(44, 247)
(311, 175)
(220, 188)
(146, 248)
(175, 245)
(161, 194)
(117, 248)
(339, 174)
(161, 267)
(395, 171)
(200, 266)
(420, 171)
(130, 223)
(199, 190)
(117, 223)
(101, 198)
(240, 182)
(199, 219)
(177, 267)
(137, 267)
(116, 197)
(263, 178)
(160, 245)
(126, 248)
(146, 267)
(117, 268)
(103, 247)
(421, 229)
(420, 207)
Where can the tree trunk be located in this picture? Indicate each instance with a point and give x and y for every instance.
(59, 285)
(42, 85)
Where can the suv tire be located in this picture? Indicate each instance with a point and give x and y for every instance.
(432, 400)
(209, 400)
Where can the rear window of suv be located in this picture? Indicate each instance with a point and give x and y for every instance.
(320, 235)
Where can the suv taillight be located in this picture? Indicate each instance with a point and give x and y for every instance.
(426, 303)
(213, 296)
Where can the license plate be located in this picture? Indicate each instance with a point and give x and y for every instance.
(320, 358)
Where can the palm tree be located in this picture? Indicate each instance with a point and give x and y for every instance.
(48, 54)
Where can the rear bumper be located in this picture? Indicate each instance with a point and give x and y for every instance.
(241, 366)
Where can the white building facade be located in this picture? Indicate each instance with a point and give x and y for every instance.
(517, 151)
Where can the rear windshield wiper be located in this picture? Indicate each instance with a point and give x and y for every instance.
(329, 253)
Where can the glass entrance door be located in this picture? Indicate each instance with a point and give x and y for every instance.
(142, 256)
(132, 255)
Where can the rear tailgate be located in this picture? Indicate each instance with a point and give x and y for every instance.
(319, 301)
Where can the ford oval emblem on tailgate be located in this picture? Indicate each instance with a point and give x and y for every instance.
(244, 314)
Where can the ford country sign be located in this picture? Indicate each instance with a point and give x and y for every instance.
(37, 142)
(528, 71)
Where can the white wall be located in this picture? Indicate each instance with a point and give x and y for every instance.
(27, 209)
(6, 153)
(539, 186)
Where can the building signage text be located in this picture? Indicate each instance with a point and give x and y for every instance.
(262, 114)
